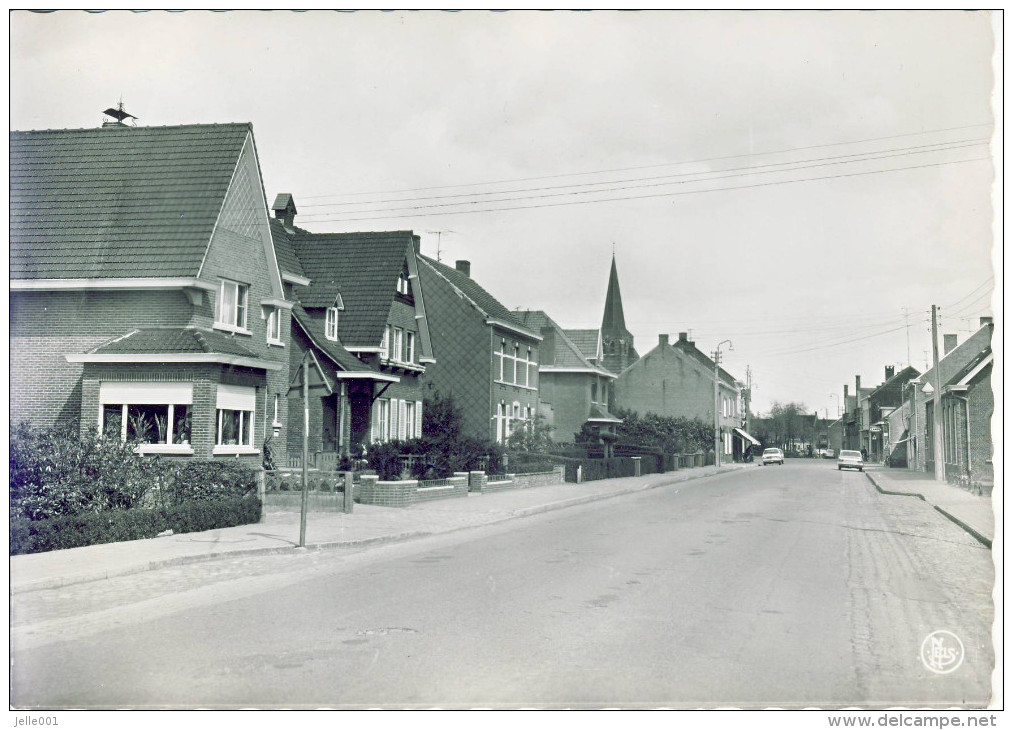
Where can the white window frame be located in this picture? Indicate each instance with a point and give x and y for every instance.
(240, 305)
(241, 398)
(409, 346)
(331, 324)
(385, 343)
(126, 394)
(274, 336)
(398, 344)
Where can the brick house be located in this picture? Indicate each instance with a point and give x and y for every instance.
(967, 403)
(488, 360)
(359, 312)
(145, 296)
(572, 389)
(677, 379)
(881, 402)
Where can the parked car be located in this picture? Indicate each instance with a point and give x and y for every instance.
(772, 456)
(850, 460)
(829, 454)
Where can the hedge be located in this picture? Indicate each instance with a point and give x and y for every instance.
(94, 528)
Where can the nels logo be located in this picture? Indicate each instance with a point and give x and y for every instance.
(942, 652)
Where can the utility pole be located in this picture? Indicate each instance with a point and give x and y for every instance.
(937, 415)
(717, 402)
(749, 397)
(907, 328)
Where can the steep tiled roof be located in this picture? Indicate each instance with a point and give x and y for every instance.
(334, 350)
(692, 350)
(363, 267)
(172, 340)
(954, 363)
(565, 353)
(287, 260)
(586, 340)
(600, 414)
(470, 289)
(118, 202)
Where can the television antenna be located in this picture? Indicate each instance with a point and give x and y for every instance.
(439, 241)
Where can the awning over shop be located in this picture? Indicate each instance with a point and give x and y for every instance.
(746, 436)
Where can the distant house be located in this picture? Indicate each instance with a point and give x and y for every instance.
(146, 299)
(677, 379)
(572, 389)
(881, 402)
(487, 361)
(359, 319)
(967, 402)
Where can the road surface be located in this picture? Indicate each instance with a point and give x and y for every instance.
(778, 586)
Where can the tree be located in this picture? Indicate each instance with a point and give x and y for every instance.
(787, 423)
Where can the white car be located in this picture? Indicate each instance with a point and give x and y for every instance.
(772, 456)
(850, 460)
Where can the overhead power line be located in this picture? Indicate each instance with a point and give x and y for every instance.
(670, 194)
(659, 165)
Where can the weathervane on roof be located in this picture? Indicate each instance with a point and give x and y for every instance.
(119, 114)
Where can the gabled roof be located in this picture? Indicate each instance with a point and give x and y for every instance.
(898, 380)
(479, 297)
(565, 352)
(588, 341)
(362, 267)
(175, 340)
(118, 202)
(957, 360)
(337, 353)
(690, 348)
(287, 260)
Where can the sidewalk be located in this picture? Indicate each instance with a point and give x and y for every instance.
(278, 531)
(971, 512)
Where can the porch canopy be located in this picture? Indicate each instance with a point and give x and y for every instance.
(746, 437)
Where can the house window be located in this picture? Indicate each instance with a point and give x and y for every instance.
(331, 325)
(594, 391)
(404, 284)
(234, 430)
(397, 351)
(277, 411)
(502, 359)
(156, 415)
(274, 327)
(499, 422)
(385, 344)
(382, 429)
(409, 346)
(230, 309)
(410, 420)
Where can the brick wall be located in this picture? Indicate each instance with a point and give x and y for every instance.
(523, 481)
(667, 382)
(981, 405)
(45, 389)
(460, 340)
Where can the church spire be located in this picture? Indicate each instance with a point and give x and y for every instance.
(617, 341)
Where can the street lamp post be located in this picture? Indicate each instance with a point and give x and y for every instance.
(717, 409)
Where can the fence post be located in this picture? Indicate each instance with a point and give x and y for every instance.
(261, 491)
(349, 493)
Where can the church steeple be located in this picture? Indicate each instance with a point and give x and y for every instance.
(617, 341)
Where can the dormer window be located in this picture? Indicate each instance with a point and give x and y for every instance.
(404, 285)
(231, 306)
(331, 324)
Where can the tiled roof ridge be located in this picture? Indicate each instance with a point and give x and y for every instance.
(460, 292)
(115, 128)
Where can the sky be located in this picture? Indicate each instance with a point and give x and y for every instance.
(799, 186)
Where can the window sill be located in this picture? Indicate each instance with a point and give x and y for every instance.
(231, 329)
(235, 450)
(274, 343)
(181, 449)
(516, 385)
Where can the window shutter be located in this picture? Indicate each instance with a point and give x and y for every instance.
(418, 419)
(402, 426)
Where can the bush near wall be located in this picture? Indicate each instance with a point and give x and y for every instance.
(94, 528)
(439, 457)
(70, 490)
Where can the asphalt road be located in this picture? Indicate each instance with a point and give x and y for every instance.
(770, 586)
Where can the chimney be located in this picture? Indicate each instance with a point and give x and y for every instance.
(464, 267)
(858, 388)
(284, 210)
(889, 372)
(984, 320)
(949, 342)
(662, 340)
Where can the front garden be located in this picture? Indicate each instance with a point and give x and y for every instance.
(70, 490)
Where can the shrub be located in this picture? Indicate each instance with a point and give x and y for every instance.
(94, 528)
